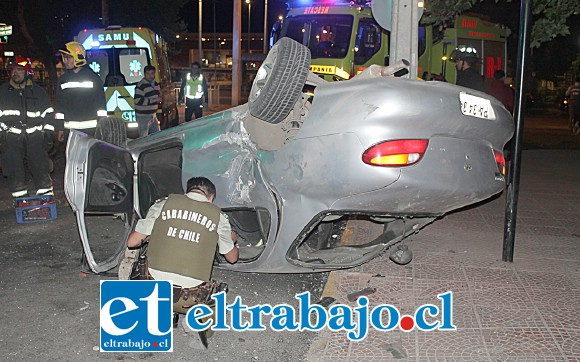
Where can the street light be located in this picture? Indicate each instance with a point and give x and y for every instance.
(199, 30)
(265, 26)
(249, 24)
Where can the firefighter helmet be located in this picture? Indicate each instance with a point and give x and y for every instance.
(77, 52)
(464, 52)
(22, 62)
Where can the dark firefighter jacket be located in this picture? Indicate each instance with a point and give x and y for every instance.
(27, 109)
(80, 99)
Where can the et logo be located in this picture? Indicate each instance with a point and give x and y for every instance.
(136, 316)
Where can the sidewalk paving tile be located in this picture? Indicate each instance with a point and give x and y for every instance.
(522, 311)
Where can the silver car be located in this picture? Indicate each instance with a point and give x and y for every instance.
(314, 176)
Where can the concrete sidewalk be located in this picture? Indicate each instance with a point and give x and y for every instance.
(522, 311)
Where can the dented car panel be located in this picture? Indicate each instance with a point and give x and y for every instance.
(308, 202)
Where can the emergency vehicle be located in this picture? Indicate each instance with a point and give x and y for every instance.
(119, 55)
(344, 39)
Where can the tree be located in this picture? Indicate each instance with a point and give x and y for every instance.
(550, 16)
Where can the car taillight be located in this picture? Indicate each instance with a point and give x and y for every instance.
(500, 160)
(395, 153)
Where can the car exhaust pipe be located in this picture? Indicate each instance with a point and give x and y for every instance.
(398, 69)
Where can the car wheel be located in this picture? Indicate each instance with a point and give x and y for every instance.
(112, 130)
(279, 81)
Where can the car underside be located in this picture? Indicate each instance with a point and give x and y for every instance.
(313, 176)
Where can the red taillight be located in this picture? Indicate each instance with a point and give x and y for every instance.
(500, 160)
(395, 153)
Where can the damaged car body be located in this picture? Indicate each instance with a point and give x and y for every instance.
(314, 176)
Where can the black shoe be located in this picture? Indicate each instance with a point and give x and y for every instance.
(175, 319)
(222, 287)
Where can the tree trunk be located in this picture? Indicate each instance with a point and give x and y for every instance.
(24, 28)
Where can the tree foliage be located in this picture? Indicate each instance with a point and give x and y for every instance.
(550, 16)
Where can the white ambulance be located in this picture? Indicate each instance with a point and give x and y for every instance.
(119, 55)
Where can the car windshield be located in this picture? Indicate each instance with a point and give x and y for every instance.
(327, 36)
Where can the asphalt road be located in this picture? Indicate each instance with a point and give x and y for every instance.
(50, 311)
(548, 128)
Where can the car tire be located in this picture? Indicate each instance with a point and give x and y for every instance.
(279, 81)
(112, 130)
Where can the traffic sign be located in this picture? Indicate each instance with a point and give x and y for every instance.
(5, 30)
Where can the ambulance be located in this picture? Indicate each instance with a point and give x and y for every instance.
(119, 55)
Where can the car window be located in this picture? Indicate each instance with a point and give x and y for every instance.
(327, 36)
(98, 61)
(131, 63)
(368, 41)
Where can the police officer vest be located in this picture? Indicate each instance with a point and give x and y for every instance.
(194, 87)
(184, 238)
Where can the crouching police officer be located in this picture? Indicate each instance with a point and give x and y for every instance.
(184, 231)
(27, 126)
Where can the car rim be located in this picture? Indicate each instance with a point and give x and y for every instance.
(263, 75)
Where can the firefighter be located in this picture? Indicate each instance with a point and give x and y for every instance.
(27, 128)
(465, 58)
(194, 90)
(80, 96)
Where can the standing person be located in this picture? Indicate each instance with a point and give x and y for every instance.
(27, 128)
(573, 94)
(147, 99)
(465, 58)
(194, 90)
(80, 96)
(503, 92)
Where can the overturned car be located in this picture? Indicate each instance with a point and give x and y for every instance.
(314, 176)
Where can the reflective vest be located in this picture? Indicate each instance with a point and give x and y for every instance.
(194, 87)
(184, 238)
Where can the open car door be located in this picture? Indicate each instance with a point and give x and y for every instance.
(99, 181)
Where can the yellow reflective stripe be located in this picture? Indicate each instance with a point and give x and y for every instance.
(102, 113)
(80, 124)
(33, 114)
(34, 129)
(59, 115)
(49, 127)
(67, 85)
(132, 125)
(10, 112)
(48, 110)
(19, 193)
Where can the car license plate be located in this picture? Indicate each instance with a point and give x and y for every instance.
(476, 106)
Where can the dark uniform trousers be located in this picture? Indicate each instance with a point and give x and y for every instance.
(193, 106)
(32, 146)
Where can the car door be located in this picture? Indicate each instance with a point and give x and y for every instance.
(99, 181)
